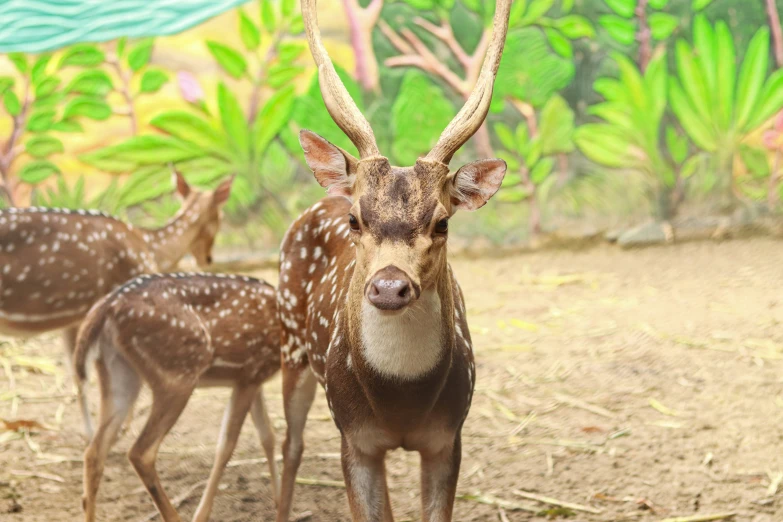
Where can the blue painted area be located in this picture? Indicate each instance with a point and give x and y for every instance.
(34, 26)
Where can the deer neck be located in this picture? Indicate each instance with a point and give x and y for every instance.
(407, 346)
(171, 242)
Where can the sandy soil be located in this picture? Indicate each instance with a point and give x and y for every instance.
(644, 384)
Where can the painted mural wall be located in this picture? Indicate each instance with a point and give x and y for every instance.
(607, 111)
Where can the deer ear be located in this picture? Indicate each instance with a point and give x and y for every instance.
(334, 168)
(183, 189)
(475, 183)
(222, 192)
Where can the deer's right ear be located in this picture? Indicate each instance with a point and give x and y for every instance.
(183, 189)
(334, 168)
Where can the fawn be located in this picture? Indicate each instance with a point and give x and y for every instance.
(176, 332)
(55, 263)
(368, 304)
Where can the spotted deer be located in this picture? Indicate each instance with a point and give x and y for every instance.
(176, 332)
(55, 263)
(368, 304)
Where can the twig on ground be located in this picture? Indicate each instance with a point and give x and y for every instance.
(578, 403)
(774, 483)
(556, 502)
(701, 518)
(502, 515)
(550, 464)
(304, 515)
(179, 500)
(498, 502)
(658, 406)
(46, 476)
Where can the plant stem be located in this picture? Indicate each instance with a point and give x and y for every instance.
(11, 151)
(125, 91)
(643, 36)
(361, 22)
(777, 35)
(255, 96)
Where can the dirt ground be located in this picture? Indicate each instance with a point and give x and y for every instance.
(642, 385)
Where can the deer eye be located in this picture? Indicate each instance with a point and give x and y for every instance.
(442, 226)
(353, 222)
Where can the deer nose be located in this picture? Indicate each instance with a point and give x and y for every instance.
(390, 289)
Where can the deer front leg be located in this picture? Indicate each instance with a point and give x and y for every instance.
(439, 474)
(365, 481)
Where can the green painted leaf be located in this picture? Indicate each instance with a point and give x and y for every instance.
(615, 113)
(153, 80)
(556, 127)
(287, 7)
(755, 160)
(517, 12)
(6, 82)
(511, 180)
(46, 86)
(39, 68)
(89, 107)
(415, 130)
(272, 118)
(51, 101)
(141, 150)
(424, 5)
(193, 129)
(41, 146)
(658, 4)
(621, 30)
(506, 136)
(140, 54)
(692, 79)
(698, 5)
(542, 170)
(771, 100)
(297, 25)
(67, 126)
(251, 36)
(575, 26)
(512, 195)
(121, 44)
(12, 103)
(693, 125)
(677, 145)
(751, 77)
(41, 120)
(281, 74)
(566, 6)
(82, 55)
(536, 9)
(624, 8)
(610, 89)
(290, 51)
(234, 122)
(37, 171)
(268, 15)
(229, 59)
(559, 43)
(705, 45)
(691, 166)
(474, 5)
(93, 82)
(662, 25)
(604, 145)
(19, 60)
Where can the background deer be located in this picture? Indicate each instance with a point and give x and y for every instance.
(368, 304)
(55, 263)
(176, 332)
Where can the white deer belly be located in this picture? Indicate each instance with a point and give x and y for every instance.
(407, 345)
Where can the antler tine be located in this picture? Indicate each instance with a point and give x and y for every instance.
(473, 113)
(338, 101)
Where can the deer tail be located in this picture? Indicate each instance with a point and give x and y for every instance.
(87, 340)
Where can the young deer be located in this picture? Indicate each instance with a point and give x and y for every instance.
(54, 263)
(177, 332)
(368, 303)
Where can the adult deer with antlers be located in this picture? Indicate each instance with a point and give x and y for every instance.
(55, 264)
(368, 304)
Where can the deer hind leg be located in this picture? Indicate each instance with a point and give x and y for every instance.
(267, 437)
(167, 406)
(69, 343)
(439, 475)
(365, 482)
(236, 411)
(299, 386)
(119, 386)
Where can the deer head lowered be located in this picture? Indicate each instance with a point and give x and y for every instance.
(367, 301)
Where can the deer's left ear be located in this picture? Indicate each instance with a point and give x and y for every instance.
(475, 183)
(222, 192)
(183, 189)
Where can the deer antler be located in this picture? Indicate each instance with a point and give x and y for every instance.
(473, 113)
(341, 107)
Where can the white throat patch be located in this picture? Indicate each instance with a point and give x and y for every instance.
(404, 346)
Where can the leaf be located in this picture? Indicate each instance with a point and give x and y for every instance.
(121, 43)
(624, 8)
(622, 31)
(604, 145)
(6, 82)
(662, 25)
(153, 80)
(517, 11)
(272, 118)
(42, 146)
(512, 195)
(37, 171)
(423, 5)
(229, 59)
(251, 36)
(39, 68)
(46, 86)
(698, 5)
(556, 127)
(67, 126)
(19, 60)
(692, 80)
(268, 15)
(416, 131)
(234, 123)
(511, 180)
(94, 82)
(192, 129)
(771, 100)
(506, 136)
(89, 107)
(287, 7)
(658, 4)
(751, 77)
(12, 103)
(566, 6)
(677, 145)
(536, 10)
(141, 150)
(575, 26)
(689, 119)
(755, 161)
(542, 170)
(559, 43)
(83, 55)
(725, 74)
(289, 51)
(704, 44)
(690, 167)
(41, 120)
(281, 74)
(297, 25)
(140, 54)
